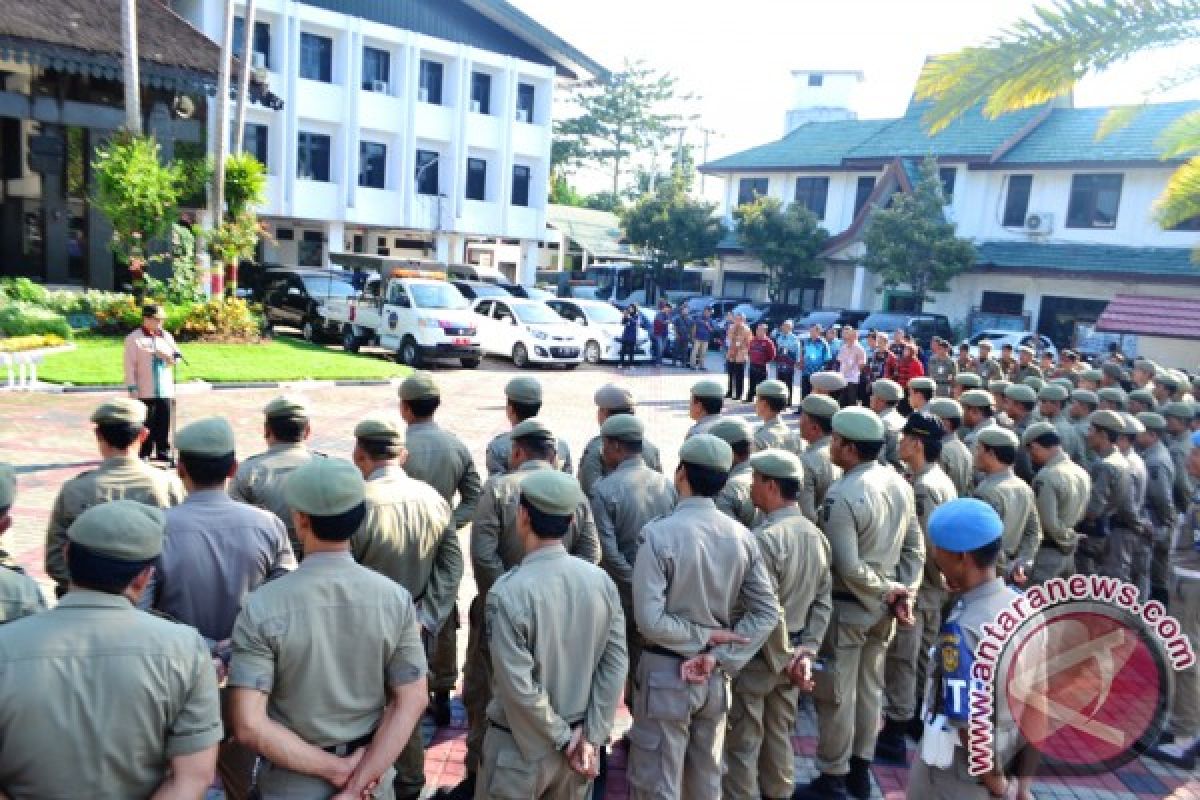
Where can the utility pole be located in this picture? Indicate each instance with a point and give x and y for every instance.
(239, 119)
(221, 144)
(704, 158)
(133, 102)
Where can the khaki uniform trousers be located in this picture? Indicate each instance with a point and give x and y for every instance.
(443, 665)
(904, 667)
(930, 783)
(633, 641)
(1051, 562)
(1129, 556)
(1091, 554)
(758, 738)
(1160, 554)
(1183, 604)
(410, 766)
(281, 784)
(678, 733)
(849, 691)
(477, 684)
(505, 774)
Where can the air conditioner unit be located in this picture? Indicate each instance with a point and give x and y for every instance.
(475, 107)
(423, 94)
(259, 61)
(1039, 222)
(379, 86)
(522, 115)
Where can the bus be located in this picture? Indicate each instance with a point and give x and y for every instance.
(630, 283)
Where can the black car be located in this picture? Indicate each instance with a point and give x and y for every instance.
(921, 327)
(292, 296)
(829, 317)
(773, 314)
(473, 290)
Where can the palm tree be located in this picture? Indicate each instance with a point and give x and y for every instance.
(1042, 58)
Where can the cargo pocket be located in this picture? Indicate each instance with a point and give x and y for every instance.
(667, 697)
(512, 778)
(645, 766)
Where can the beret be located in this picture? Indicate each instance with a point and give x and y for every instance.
(964, 524)
(523, 390)
(708, 388)
(888, 389)
(1144, 396)
(1146, 365)
(977, 398)
(998, 387)
(1085, 396)
(1108, 420)
(1113, 395)
(123, 530)
(611, 397)
(211, 437)
(772, 388)
(532, 428)
(1093, 375)
(1110, 369)
(828, 381)
(945, 408)
(419, 385)
(968, 379)
(732, 430)
(1153, 421)
(777, 463)
(923, 384)
(1133, 425)
(286, 406)
(921, 423)
(1021, 393)
(706, 450)
(1064, 382)
(1053, 393)
(820, 405)
(996, 436)
(1034, 382)
(120, 411)
(378, 429)
(858, 424)
(324, 487)
(1177, 409)
(625, 427)
(552, 491)
(8, 485)
(1036, 431)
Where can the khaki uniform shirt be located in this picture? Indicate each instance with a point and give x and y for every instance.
(440, 459)
(1179, 446)
(1014, 501)
(1028, 371)
(592, 469)
(1139, 477)
(1185, 552)
(1061, 487)
(19, 594)
(893, 424)
(408, 535)
(702, 425)
(734, 497)
(1111, 499)
(989, 370)
(1160, 473)
(622, 504)
(957, 463)
(870, 520)
(1023, 466)
(260, 478)
(943, 371)
(819, 474)
(117, 478)
(96, 697)
(969, 435)
(932, 487)
(776, 433)
(1073, 444)
(556, 635)
(693, 569)
(500, 448)
(495, 545)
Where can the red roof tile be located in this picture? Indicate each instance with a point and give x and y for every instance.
(1174, 317)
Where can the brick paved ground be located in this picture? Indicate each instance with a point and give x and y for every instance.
(46, 436)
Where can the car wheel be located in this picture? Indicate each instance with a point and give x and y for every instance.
(591, 352)
(350, 342)
(410, 354)
(470, 363)
(520, 356)
(309, 331)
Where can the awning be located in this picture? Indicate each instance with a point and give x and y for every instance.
(1170, 317)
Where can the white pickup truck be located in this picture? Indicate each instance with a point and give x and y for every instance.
(416, 314)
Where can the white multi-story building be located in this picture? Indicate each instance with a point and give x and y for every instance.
(408, 127)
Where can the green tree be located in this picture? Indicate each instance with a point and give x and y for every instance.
(787, 242)
(672, 229)
(910, 243)
(1041, 58)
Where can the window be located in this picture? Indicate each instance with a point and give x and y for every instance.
(1002, 303)
(520, 185)
(525, 96)
(481, 93)
(372, 166)
(262, 39)
(476, 178)
(1094, 201)
(254, 141)
(309, 249)
(501, 312)
(376, 69)
(359, 245)
(312, 156)
(429, 89)
(816, 79)
(427, 172)
(1016, 203)
(316, 57)
(862, 192)
(811, 193)
(750, 189)
(947, 175)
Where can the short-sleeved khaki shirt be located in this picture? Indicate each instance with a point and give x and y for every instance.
(259, 481)
(19, 595)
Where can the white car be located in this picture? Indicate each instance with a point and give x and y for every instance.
(602, 329)
(1017, 339)
(527, 331)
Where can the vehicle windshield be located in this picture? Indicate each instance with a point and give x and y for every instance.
(988, 335)
(318, 286)
(750, 310)
(436, 295)
(535, 293)
(603, 314)
(536, 314)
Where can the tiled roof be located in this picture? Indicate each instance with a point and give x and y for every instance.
(1091, 259)
(815, 144)
(969, 135)
(598, 232)
(1177, 318)
(1069, 135)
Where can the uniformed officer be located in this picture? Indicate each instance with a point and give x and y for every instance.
(327, 660)
(556, 635)
(496, 548)
(96, 697)
(439, 458)
(998, 390)
(920, 449)
(119, 431)
(816, 428)
(829, 383)
(1160, 500)
(1178, 441)
(1013, 499)
(967, 539)
(19, 593)
(622, 503)
(523, 400)
(704, 604)
(955, 459)
(885, 394)
(1110, 493)
(1112, 398)
(920, 392)
(1035, 382)
(942, 369)
(870, 520)
(1142, 400)
(1166, 385)
(408, 535)
(610, 400)
(1025, 366)
(966, 381)
(1052, 402)
(770, 399)
(1144, 372)
(734, 497)
(979, 412)
(1129, 547)
(1020, 402)
(1090, 379)
(707, 399)
(260, 478)
(762, 715)
(1083, 403)
(1061, 488)
(986, 366)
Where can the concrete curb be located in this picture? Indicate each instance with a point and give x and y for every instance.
(198, 387)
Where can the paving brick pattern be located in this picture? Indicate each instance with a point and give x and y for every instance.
(46, 436)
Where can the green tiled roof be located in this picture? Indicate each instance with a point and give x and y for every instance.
(598, 232)
(969, 135)
(1069, 134)
(1175, 262)
(815, 144)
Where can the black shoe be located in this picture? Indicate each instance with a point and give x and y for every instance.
(1160, 595)
(439, 708)
(823, 787)
(858, 781)
(890, 747)
(464, 790)
(1171, 754)
(916, 728)
(407, 794)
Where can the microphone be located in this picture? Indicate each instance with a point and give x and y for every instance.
(179, 356)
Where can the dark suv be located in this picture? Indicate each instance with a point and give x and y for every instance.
(921, 327)
(293, 296)
(828, 317)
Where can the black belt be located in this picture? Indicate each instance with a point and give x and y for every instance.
(662, 651)
(346, 748)
(498, 726)
(847, 597)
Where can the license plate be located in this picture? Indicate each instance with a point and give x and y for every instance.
(462, 342)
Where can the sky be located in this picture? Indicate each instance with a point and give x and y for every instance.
(738, 56)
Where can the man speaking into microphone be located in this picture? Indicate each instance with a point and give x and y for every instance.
(150, 356)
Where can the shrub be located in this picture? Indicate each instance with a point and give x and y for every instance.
(226, 319)
(23, 319)
(24, 289)
(18, 344)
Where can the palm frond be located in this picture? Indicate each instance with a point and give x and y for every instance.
(1181, 137)
(1181, 199)
(1116, 119)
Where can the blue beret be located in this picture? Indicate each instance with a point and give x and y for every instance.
(965, 524)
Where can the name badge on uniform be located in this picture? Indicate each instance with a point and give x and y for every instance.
(826, 509)
(957, 660)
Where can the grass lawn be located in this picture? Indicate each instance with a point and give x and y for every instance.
(97, 361)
